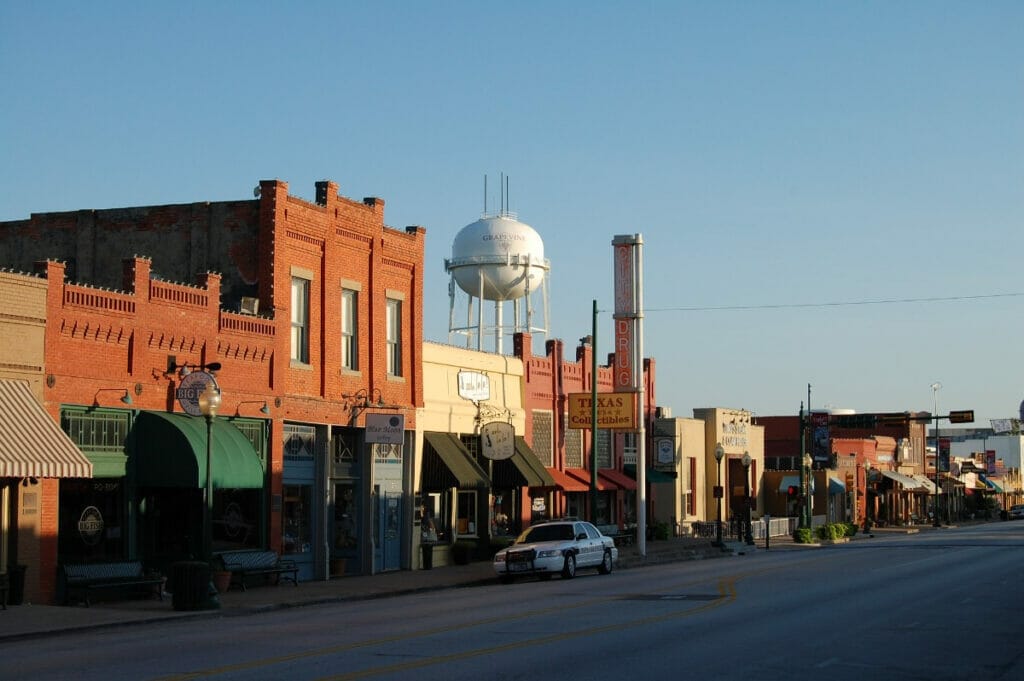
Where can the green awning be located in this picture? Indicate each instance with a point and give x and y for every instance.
(653, 475)
(169, 450)
(530, 466)
(447, 463)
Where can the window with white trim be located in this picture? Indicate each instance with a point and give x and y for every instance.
(300, 320)
(394, 337)
(349, 330)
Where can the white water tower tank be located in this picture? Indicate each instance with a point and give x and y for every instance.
(498, 258)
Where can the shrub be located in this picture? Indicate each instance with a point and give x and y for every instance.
(851, 529)
(661, 531)
(802, 535)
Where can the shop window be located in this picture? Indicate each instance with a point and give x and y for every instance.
(300, 320)
(393, 336)
(91, 520)
(502, 515)
(296, 525)
(236, 519)
(349, 332)
(465, 516)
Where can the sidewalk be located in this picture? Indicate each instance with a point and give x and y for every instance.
(28, 621)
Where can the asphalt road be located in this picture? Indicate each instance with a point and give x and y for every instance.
(937, 605)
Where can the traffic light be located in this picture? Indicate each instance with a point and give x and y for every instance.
(792, 492)
(963, 416)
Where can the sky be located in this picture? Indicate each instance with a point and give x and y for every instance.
(830, 194)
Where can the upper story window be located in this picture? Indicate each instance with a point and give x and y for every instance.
(349, 329)
(300, 320)
(394, 337)
(629, 448)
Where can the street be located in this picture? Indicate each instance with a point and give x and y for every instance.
(943, 604)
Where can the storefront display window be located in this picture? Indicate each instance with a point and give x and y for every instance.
(502, 516)
(91, 520)
(466, 513)
(236, 519)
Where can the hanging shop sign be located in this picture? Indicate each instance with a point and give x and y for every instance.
(386, 429)
(497, 440)
(190, 388)
(474, 386)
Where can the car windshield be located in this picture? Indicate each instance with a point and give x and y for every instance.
(546, 533)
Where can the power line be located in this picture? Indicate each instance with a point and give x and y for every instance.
(849, 303)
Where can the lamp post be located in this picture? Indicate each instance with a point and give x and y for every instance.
(209, 403)
(749, 537)
(719, 453)
(806, 490)
(935, 396)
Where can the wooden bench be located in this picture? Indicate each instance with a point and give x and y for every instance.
(82, 580)
(242, 564)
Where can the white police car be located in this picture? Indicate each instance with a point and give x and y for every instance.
(556, 547)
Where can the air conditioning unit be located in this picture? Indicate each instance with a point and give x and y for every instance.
(663, 412)
(249, 305)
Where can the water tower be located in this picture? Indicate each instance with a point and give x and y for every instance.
(499, 259)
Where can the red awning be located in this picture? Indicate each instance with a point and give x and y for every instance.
(583, 475)
(567, 483)
(618, 478)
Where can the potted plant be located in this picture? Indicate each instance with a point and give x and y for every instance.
(219, 575)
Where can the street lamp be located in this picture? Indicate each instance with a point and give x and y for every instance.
(936, 386)
(209, 403)
(806, 487)
(746, 495)
(719, 453)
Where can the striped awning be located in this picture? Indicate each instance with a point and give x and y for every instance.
(32, 445)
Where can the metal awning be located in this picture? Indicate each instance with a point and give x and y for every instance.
(32, 445)
(530, 466)
(447, 463)
(567, 483)
(617, 478)
(836, 486)
(990, 484)
(583, 475)
(169, 450)
(792, 480)
(926, 483)
(654, 476)
(909, 484)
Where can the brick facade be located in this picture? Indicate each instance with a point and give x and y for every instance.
(122, 328)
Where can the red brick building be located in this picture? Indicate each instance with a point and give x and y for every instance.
(313, 312)
(549, 381)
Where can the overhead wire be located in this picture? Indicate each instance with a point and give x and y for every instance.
(848, 303)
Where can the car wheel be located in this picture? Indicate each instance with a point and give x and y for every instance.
(569, 571)
(606, 564)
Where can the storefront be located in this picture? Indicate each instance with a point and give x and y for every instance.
(34, 456)
(145, 500)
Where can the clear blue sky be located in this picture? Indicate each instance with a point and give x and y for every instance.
(772, 154)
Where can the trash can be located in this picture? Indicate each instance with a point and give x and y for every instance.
(428, 555)
(191, 586)
(16, 584)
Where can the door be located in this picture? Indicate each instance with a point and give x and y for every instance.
(345, 558)
(388, 530)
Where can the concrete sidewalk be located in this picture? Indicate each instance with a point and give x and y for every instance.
(30, 620)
